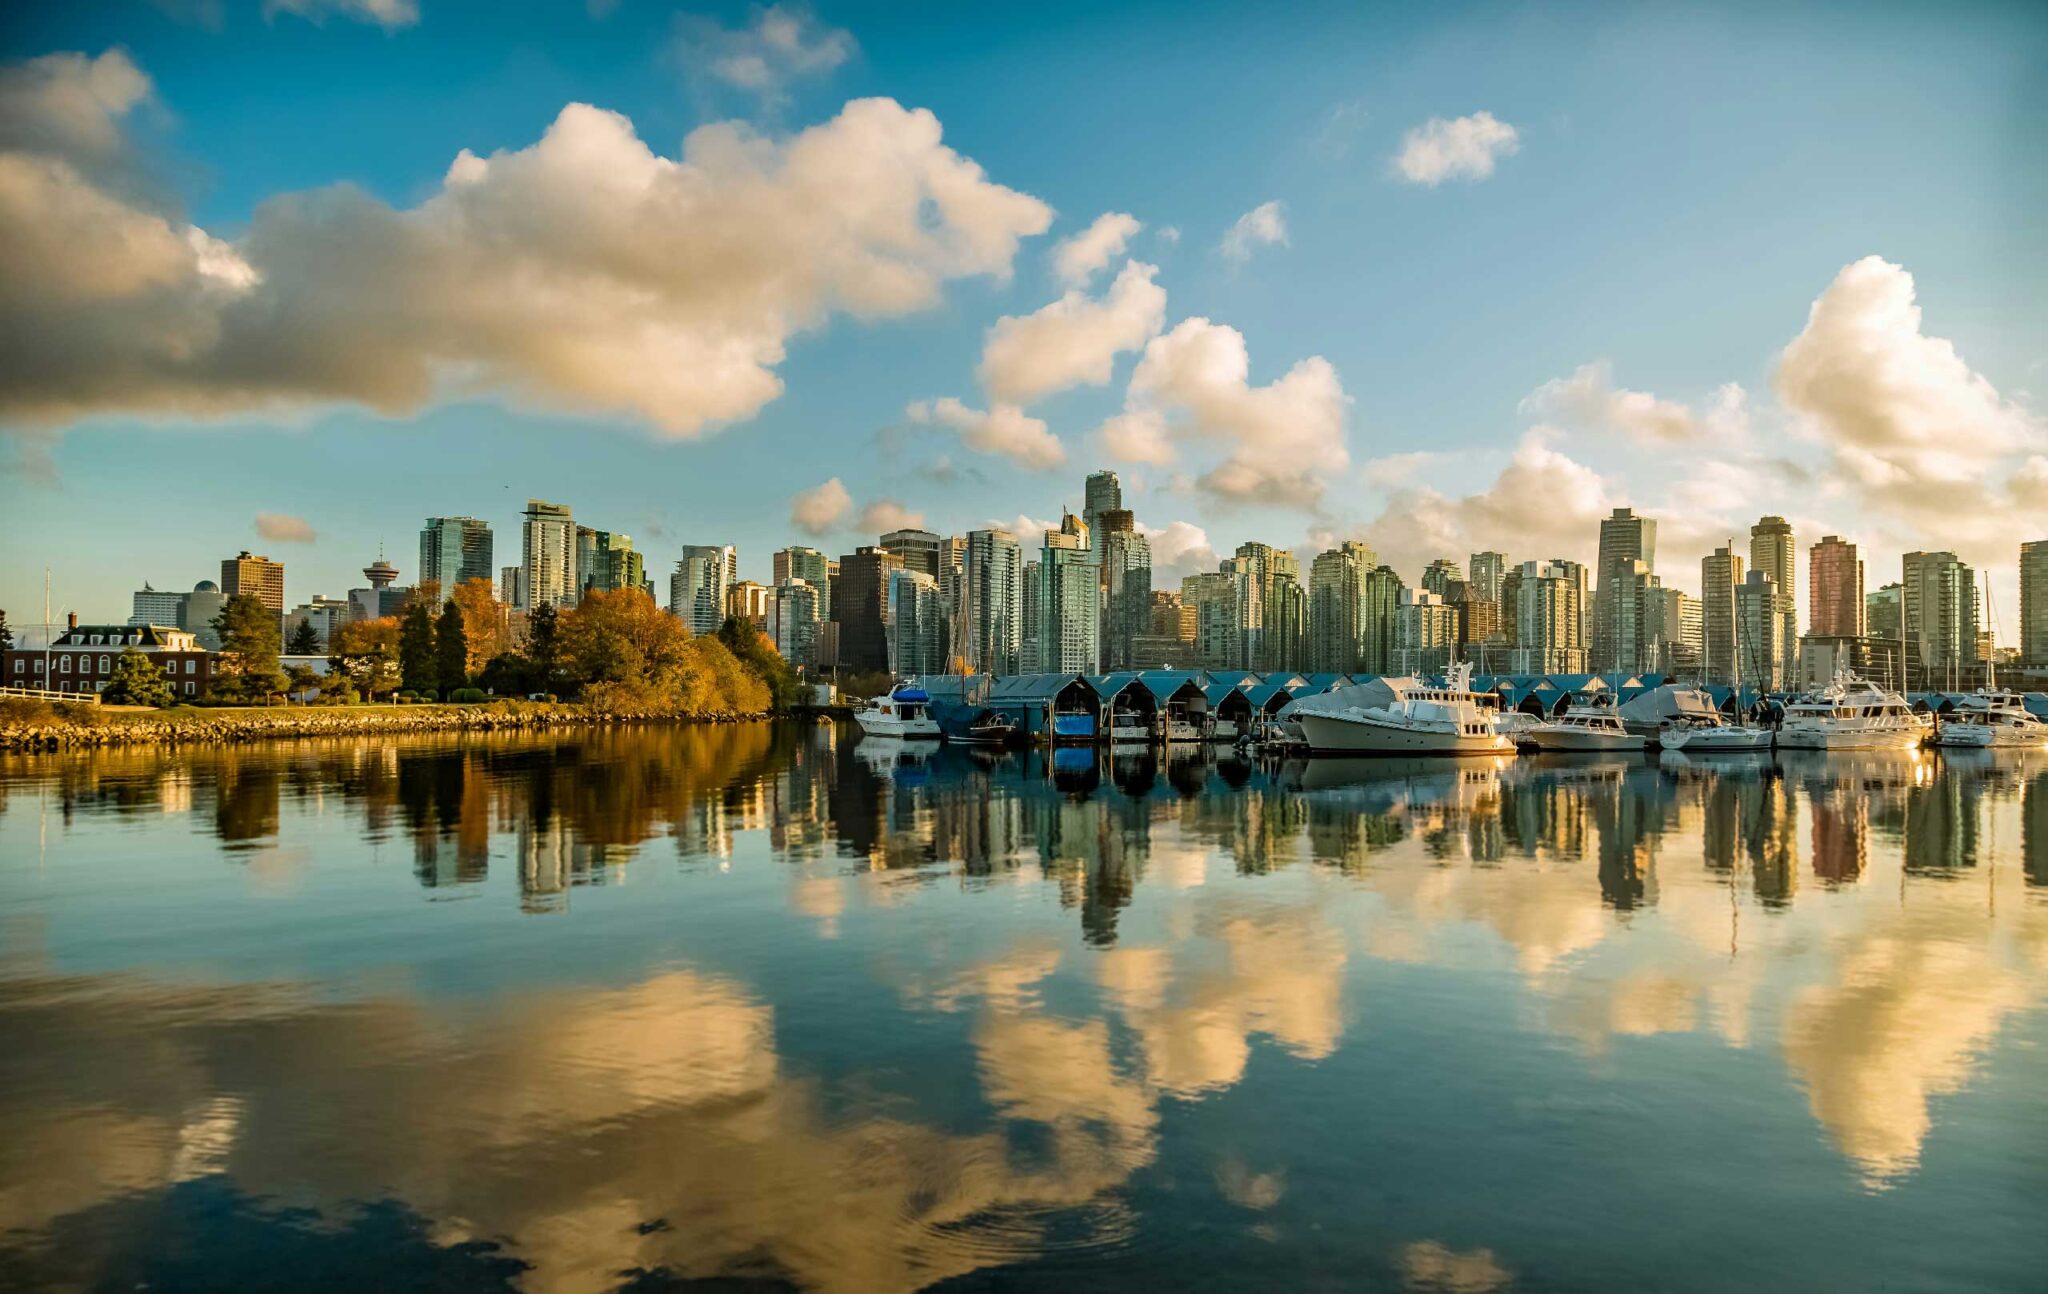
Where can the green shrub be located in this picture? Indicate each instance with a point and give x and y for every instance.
(408, 698)
(467, 695)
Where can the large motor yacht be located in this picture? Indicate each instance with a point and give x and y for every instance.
(1401, 716)
(1582, 728)
(1850, 714)
(1994, 720)
(904, 712)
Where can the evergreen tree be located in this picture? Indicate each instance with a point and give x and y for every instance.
(305, 640)
(418, 669)
(6, 634)
(451, 647)
(137, 680)
(249, 641)
(543, 645)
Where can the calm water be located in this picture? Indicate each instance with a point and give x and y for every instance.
(760, 1006)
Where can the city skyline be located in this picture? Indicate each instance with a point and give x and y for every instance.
(1212, 326)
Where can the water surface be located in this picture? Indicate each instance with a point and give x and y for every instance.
(763, 1006)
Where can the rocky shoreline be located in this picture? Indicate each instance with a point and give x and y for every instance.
(56, 731)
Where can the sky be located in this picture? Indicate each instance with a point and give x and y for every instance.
(294, 275)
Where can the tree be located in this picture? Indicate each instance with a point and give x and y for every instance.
(543, 644)
(300, 679)
(451, 647)
(418, 668)
(621, 637)
(483, 624)
(365, 652)
(758, 654)
(249, 647)
(137, 680)
(305, 640)
(6, 634)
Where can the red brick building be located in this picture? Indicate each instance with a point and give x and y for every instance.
(83, 658)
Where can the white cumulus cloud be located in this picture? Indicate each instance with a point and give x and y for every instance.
(584, 272)
(780, 44)
(1001, 429)
(1075, 340)
(885, 515)
(1263, 226)
(1462, 148)
(1285, 440)
(1589, 398)
(284, 528)
(820, 509)
(1077, 259)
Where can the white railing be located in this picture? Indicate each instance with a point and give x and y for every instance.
(44, 694)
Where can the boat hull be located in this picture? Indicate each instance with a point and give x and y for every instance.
(1363, 736)
(888, 725)
(1581, 741)
(1708, 741)
(1814, 737)
(1988, 736)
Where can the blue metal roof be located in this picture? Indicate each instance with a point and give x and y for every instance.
(1034, 687)
(1165, 683)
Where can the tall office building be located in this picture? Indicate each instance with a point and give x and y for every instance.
(857, 608)
(913, 624)
(1720, 573)
(793, 619)
(994, 602)
(1027, 645)
(1099, 494)
(916, 550)
(953, 598)
(1426, 632)
(547, 556)
(1212, 597)
(1272, 607)
(606, 561)
(810, 566)
(1070, 585)
(1486, 570)
(153, 606)
(380, 599)
(1835, 590)
(1631, 608)
(1438, 576)
(1339, 598)
(1773, 551)
(1126, 589)
(1760, 629)
(1672, 633)
(748, 601)
(259, 577)
(2034, 606)
(511, 579)
(1938, 619)
(1884, 612)
(1550, 617)
(697, 589)
(1624, 538)
(454, 550)
(199, 609)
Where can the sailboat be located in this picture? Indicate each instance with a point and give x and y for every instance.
(1696, 737)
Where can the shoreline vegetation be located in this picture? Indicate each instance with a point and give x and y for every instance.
(613, 658)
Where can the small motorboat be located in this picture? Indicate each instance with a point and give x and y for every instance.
(1581, 728)
(905, 712)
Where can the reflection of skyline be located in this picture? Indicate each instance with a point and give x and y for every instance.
(1210, 909)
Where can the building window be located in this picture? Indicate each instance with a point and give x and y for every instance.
(63, 664)
(39, 665)
(189, 688)
(105, 665)
(20, 663)
(191, 665)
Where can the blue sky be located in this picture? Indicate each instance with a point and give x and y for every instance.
(1681, 190)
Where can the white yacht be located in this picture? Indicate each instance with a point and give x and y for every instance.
(1989, 719)
(1582, 728)
(1401, 716)
(904, 712)
(1850, 714)
(1712, 738)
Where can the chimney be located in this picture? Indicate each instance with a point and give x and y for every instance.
(71, 621)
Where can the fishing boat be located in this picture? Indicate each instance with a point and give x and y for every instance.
(1581, 728)
(904, 712)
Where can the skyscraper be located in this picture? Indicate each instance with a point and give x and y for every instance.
(1836, 590)
(793, 619)
(1212, 595)
(548, 553)
(1486, 570)
(1625, 538)
(259, 577)
(1550, 617)
(1426, 632)
(1070, 585)
(994, 608)
(697, 588)
(1438, 575)
(455, 549)
(606, 562)
(1773, 551)
(916, 550)
(1938, 615)
(912, 622)
(2034, 604)
(1720, 573)
(810, 566)
(857, 608)
(1760, 627)
(1272, 607)
(1126, 588)
(155, 606)
(1337, 606)
(1101, 492)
